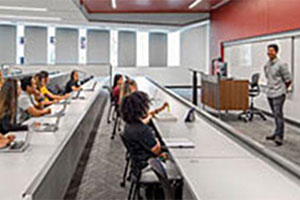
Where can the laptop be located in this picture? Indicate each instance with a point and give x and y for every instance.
(48, 127)
(18, 146)
(179, 143)
(60, 112)
(77, 96)
(93, 87)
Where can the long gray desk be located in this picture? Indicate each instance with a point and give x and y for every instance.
(219, 168)
(44, 169)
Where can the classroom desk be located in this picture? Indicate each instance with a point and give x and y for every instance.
(44, 169)
(219, 168)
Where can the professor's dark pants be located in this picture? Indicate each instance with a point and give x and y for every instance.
(276, 105)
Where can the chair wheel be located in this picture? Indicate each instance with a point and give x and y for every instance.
(122, 184)
(112, 137)
(108, 122)
(245, 120)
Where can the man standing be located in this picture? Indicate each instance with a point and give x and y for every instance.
(279, 80)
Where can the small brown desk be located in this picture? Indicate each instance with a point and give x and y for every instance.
(224, 94)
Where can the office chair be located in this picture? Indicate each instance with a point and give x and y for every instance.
(254, 91)
(161, 174)
(117, 123)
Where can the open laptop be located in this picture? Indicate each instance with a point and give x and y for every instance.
(77, 96)
(179, 143)
(18, 146)
(48, 127)
(60, 112)
(93, 87)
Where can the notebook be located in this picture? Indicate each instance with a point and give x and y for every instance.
(179, 143)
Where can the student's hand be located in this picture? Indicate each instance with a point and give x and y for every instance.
(36, 124)
(11, 137)
(165, 105)
(67, 96)
(47, 111)
(164, 155)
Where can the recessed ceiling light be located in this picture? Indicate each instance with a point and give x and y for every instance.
(114, 4)
(196, 2)
(30, 18)
(23, 8)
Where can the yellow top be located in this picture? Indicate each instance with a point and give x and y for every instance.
(44, 91)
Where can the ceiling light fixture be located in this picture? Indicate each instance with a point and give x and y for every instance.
(114, 4)
(30, 18)
(196, 2)
(23, 8)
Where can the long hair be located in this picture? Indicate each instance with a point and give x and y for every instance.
(9, 99)
(37, 81)
(116, 79)
(1, 79)
(72, 74)
(126, 90)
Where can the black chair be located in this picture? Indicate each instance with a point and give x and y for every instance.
(111, 106)
(143, 178)
(254, 91)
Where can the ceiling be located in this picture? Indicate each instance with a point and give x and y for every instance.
(148, 6)
(174, 13)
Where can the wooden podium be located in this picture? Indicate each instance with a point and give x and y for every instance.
(224, 94)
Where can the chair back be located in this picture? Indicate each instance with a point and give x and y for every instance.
(254, 85)
(160, 172)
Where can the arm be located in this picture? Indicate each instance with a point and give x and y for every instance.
(38, 112)
(76, 88)
(286, 75)
(158, 110)
(7, 126)
(157, 148)
(56, 97)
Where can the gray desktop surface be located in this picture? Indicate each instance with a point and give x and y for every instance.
(219, 168)
(22, 173)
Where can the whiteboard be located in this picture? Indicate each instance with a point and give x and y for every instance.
(248, 58)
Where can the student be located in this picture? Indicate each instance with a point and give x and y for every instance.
(8, 107)
(44, 80)
(128, 87)
(279, 80)
(139, 135)
(26, 99)
(73, 84)
(118, 82)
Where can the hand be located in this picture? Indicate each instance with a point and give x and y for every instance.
(67, 95)
(164, 155)
(47, 111)
(11, 137)
(36, 124)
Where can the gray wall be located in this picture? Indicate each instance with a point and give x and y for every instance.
(194, 48)
(158, 49)
(35, 48)
(127, 49)
(98, 46)
(66, 46)
(8, 44)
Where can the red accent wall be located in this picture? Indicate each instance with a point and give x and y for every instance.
(241, 19)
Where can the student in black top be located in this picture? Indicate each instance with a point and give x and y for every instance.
(140, 136)
(8, 107)
(73, 83)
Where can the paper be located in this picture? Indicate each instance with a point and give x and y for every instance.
(179, 143)
(166, 116)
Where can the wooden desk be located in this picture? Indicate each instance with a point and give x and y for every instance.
(224, 94)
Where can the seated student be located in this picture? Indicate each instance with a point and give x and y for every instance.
(140, 137)
(116, 89)
(73, 84)
(26, 99)
(128, 87)
(44, 78)
(8, 107)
